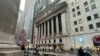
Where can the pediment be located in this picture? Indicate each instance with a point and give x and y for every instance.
(49, 10)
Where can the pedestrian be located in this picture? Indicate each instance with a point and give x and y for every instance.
(81, 52)
(71, 49)
(88, 52)
(23, 47)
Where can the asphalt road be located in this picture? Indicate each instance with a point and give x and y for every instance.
(67, 54)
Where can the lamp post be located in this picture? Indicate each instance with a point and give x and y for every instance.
(28, 47)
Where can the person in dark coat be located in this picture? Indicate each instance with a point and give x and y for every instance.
(81, 52)
(23, 47)
(71, 49)
(88, 52)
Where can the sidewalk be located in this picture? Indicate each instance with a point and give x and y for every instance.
(59, 54)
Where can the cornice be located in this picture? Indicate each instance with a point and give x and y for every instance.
(55, 37)
(52, 11)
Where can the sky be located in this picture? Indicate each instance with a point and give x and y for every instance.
(22, 5)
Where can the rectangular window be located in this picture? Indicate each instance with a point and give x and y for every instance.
(73, 10)
(81, 28)
(76, 29)
(91, 26)
(80, 21)
(75, 22)
(93, 6)
(96, 16)
(86, 9)
(88, 18)
(91, 1)
(98, 25)
(78, 7)
(74, 14)
(72, 4)
(78, 13)
(85, 3)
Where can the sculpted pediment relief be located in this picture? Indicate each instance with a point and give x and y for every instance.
(49, 10)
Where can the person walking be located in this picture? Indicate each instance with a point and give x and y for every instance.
(81, 52)
(88, 52)
(71, 50)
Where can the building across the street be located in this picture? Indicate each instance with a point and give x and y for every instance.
(62, 24)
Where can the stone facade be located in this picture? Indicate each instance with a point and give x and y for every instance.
(76, 22)
(51, 27)
(8, 21)
(85, 19)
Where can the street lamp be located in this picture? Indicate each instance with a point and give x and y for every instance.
(28, 47)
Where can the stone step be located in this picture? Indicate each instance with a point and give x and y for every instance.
(12, 53)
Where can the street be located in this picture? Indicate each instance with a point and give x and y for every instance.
(67, 54)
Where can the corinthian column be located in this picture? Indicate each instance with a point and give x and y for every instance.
(52, 25)
(57, 25)
(44, 29)
(48, 28)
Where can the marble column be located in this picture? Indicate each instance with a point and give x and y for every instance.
(44, 29)
(52, 25)
(57, 25)
(48, 28)
(41, 30)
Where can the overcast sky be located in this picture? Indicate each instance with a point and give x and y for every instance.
(22, 5)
